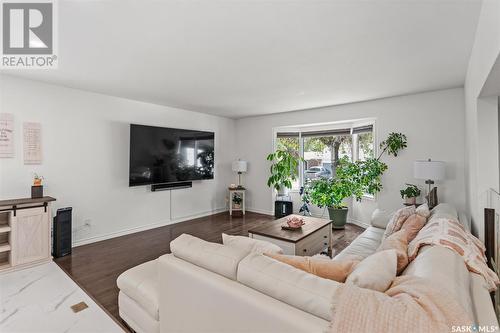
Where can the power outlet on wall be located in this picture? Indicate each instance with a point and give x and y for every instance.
(87, 223)
(83, 228)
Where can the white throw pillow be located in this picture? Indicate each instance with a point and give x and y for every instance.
(423, 210)
(251, 245)
(380, 218)
(375, 272)
(214, 257)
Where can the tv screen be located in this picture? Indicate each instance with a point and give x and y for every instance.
(160, 155)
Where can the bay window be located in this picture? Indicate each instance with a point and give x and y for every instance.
(322, 149)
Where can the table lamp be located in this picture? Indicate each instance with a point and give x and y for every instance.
(430, 171)
(240, 167)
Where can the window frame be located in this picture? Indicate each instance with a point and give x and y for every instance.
(329, 127)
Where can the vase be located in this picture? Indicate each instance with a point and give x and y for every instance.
(411, 201)
(283, 191)
(338, 216)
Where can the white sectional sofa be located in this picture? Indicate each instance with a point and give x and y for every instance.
(222, 289)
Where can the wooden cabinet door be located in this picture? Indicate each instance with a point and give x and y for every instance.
(30, 236)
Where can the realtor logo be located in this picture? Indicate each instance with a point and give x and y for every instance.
(28, 35)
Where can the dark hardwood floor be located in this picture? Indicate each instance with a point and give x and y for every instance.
(95, 267)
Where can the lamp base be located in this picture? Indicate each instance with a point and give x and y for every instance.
(432, 198)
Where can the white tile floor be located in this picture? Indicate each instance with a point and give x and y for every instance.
(38, 299)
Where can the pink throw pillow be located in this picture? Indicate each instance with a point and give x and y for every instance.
(336, 270)
(413, 224)
(398, 241)
(398, 219)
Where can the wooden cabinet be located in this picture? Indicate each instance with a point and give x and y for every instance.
(24, 232)
(315, 243)
(30, 236)
(314, 237)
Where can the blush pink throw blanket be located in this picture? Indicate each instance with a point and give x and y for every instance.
(411, 304)
(451, 234)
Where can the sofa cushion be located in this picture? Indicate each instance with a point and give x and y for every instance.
(288, 284)
(140, 283)
(444, 210)
(250, 244)
(446, 269)
(363, 246)
(375, 272)
(215, 257)
(380, 218)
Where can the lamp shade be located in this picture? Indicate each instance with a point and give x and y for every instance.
(433, 170)
(240, 166)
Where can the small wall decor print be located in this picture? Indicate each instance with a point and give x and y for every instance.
(6, 135)
(32, 137)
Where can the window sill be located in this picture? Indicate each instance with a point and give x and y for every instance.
(369, 197)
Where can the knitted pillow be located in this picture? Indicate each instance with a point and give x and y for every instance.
(398, 219)
(423, 210)
(412, 225)
(398, 241)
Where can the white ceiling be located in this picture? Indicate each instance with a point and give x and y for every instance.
(242, 58)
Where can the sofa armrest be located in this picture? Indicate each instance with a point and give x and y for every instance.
(481, 300)
(193, 299)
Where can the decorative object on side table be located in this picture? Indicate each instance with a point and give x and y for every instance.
(236, 200)
(240, 167)
(353, 179)
(293, 223)
(430, 171)
(410, 194)
(37, 188)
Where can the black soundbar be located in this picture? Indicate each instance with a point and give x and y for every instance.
(171, 186)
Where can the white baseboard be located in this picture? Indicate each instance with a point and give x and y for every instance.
(260, 211)
(358, 223)
(124, 232)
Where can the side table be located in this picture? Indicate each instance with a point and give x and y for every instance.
(236, 200)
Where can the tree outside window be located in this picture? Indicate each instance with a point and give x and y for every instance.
(322, 154)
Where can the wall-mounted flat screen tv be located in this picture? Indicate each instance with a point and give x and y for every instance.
(160, 155)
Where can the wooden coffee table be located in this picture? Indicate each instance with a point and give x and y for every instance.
(314, 237)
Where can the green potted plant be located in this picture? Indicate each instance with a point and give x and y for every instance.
(284, 170)
(330, 193)
(353, 179)
(237, 200)
(410, 194)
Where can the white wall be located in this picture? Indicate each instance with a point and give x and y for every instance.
(86, 156)
(433, 123)
(480, 173)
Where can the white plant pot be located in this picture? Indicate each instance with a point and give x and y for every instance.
(283, 191)
(411, 201)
